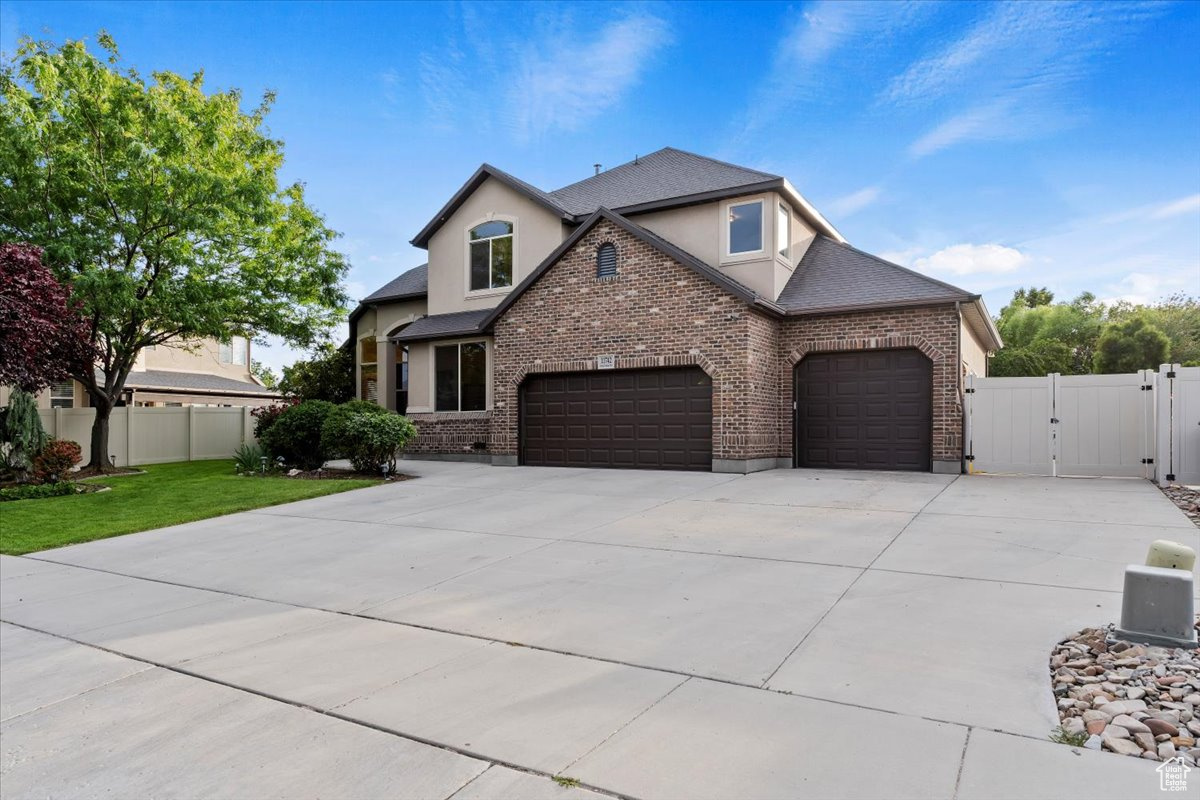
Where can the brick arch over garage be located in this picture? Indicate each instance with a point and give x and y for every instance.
(933, 331)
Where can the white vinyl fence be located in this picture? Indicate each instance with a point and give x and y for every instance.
(156, 435)
(1144, 425)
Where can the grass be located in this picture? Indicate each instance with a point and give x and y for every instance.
(1063, 736)
(565, 782)
(168, 494)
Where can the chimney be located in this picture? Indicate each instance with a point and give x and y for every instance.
(597, 166)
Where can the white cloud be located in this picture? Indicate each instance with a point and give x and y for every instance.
(1175, 208)
(1026, 58)
(854, 202)
(556, 76)
(972, 259)
(1143, 288)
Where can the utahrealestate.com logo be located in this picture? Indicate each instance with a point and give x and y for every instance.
(1172, 775)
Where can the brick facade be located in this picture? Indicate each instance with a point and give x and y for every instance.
(451, 433)
(933, 331)
(655, 312)
(659, 313)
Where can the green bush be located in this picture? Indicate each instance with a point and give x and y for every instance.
(368, 435)
(248, 459)
(56, 460)
(296, 435)
(265, 416)
(33, 491)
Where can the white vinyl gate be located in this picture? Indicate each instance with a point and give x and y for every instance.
(1063, 425)
(1178, 447)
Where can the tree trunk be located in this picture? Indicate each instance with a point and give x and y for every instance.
(99, 459)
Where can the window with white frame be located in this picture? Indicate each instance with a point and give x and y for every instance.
(490, 255)
(783, 232)
(62, 394)
(460, 377)
(745, 227)
(234, 351)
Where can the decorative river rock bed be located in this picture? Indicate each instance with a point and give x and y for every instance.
(1127, 698)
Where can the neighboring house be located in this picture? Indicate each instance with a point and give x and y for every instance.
(674, 312)
(208, 373)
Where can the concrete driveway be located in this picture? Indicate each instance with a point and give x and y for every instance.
(478, 630)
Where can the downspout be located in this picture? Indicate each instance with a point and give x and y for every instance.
(962, 397)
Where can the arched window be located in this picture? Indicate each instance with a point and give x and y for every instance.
(490, 246)
(606, 260)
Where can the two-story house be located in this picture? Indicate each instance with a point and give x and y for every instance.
(674, 312)
(206, 373)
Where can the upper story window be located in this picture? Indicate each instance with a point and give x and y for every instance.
(491, 255)
(745, 227)
(783, 232)
(606, 260)
(234, 351)
(62, 394)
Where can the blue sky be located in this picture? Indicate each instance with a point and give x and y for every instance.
(991, 145)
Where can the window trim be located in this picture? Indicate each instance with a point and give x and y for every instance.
(786, 212)
(52, 396)
(493, 290)
(727, 253)
(487, 379)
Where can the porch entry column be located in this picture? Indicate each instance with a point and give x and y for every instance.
(385, 373)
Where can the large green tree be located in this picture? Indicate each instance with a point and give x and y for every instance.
(328, 374)
(1131, 345)
(1048, 337)
(159, 202)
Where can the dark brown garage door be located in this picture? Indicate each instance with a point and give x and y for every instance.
(636, 419)
(867, 410)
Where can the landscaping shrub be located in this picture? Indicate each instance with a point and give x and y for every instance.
(247, 459)
(32, 491)
(296, 435)
(55, 461)
(23, 436)
(367, 434)
(265, 416)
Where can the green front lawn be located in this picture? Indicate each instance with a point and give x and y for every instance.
(167, 494)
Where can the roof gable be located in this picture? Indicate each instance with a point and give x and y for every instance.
(484, 172)
(686, 259)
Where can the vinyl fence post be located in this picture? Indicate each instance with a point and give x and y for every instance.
(191, 423)
(129, 415)
(247, 427)
(57, 423)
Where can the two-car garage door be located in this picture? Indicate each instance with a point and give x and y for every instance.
(632, 419)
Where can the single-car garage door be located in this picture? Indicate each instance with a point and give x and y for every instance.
(632, 419)
(864, 410)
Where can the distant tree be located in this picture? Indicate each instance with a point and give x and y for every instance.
(1033, 297)
(160, 204)
(1131, 345)
(266, 376)
(1075, 325)
(327, 375)
(42, 335)
(1178, 316)
(1037, 358)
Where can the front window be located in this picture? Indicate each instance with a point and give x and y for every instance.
(62, 394)
(460, 381)
(491, 255)
(234, 351)
(745, 227)
(783, 232)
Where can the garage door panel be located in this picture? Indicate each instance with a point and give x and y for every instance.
(650, 419)
(879, 404)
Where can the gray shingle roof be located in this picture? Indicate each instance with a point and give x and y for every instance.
(441, 326)
(662, 175)
(835, 276)
(413, 283)
(193, 381)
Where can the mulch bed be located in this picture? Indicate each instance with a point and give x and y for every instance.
(1187, 499)
(337, 474)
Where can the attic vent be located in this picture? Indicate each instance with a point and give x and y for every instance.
(606, 260)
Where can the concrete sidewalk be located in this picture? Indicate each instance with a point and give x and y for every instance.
(478, 630)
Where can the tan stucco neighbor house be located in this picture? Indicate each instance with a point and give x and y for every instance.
(202, 373)
(675, 312)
